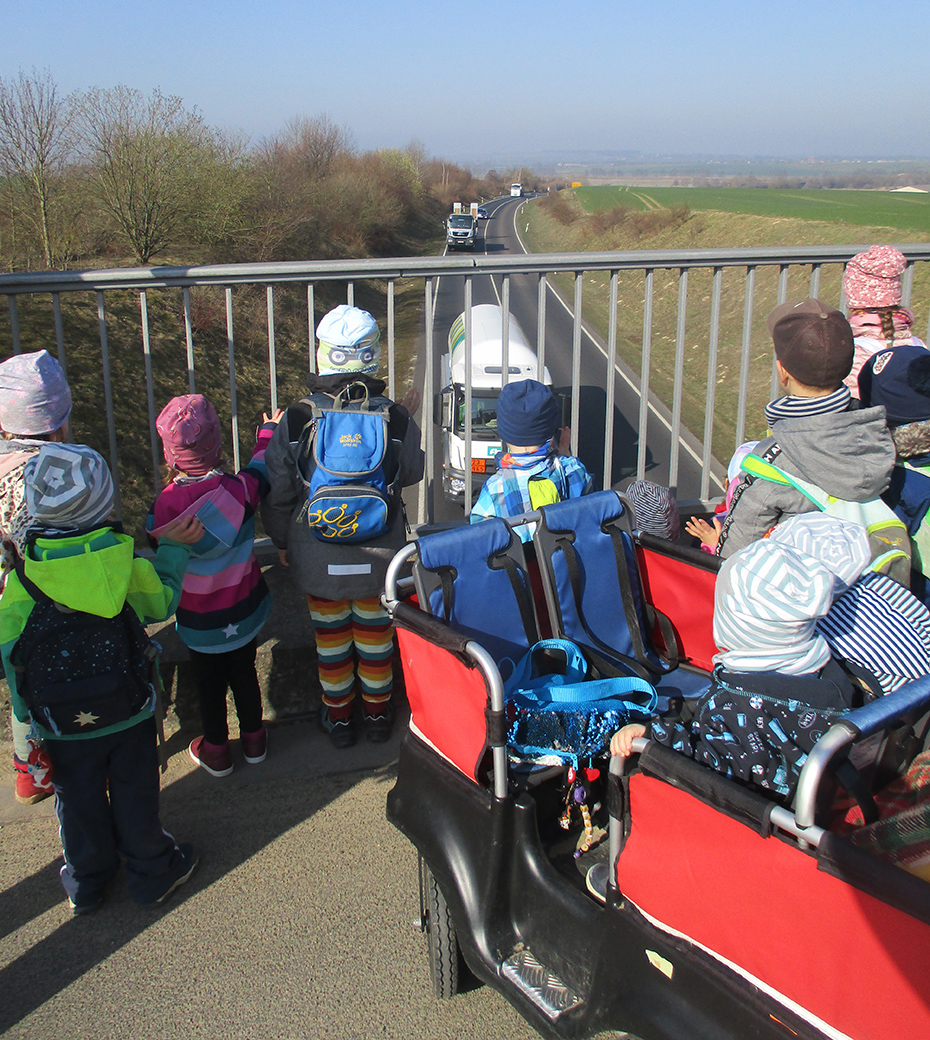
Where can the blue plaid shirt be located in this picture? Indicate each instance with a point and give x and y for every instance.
(506, 492)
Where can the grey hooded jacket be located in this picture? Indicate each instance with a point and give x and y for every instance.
(327, 570)
(849, 455)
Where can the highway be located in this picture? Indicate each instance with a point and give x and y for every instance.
(501, 234)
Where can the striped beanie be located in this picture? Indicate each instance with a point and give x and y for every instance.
(880, 625)
(839, 545)
(68, 487)
(655, 509)
(766, 606)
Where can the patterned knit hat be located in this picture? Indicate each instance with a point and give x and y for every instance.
(899, 380)
(655, 508)
(766, 606)
(190, 434)
(839, 545)
(34, 394)
(873, 278)
(349, 342)
(68, 487)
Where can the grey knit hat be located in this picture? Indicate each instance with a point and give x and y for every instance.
(34, 394)
(68, 487)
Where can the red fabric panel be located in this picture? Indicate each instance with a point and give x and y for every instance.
(447, 700)
(685, 594)
(856, 963)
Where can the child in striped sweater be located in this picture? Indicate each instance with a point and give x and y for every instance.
(224, 598)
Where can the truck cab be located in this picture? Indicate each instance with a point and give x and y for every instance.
(516, 190)
(486, 381)
(461, 231)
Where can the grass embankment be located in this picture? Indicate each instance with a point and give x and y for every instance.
(169, 361)
(588, 219)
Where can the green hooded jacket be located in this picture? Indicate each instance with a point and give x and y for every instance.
(97, 572)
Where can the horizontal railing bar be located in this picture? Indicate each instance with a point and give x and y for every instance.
(394, 268)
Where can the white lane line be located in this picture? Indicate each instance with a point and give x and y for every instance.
(633, 386)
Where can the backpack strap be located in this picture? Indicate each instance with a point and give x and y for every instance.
(769, 455)
(759, 466)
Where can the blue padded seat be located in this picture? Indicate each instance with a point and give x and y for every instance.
(591, 579)
(475, 578)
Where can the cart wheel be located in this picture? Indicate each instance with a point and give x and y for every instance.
(441, 940)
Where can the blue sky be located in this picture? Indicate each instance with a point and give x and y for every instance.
(786, 77)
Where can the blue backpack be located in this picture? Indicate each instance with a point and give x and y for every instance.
(346, 462)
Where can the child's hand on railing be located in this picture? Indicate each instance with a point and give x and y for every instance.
(621, 743)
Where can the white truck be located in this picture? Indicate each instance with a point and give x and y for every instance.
(516, 190)
(462, 230)
(486, 382)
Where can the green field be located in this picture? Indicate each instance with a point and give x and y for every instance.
(908, 211)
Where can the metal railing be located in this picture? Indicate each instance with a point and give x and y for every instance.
(600, 309)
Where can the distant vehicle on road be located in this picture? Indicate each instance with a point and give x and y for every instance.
(516, 190)
(482, 213)
(461, 231)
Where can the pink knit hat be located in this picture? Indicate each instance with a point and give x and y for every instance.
(190, 434)
(873, 278)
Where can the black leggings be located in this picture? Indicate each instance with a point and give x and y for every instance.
(235, 670)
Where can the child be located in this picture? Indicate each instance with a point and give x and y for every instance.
(709, 533)
(899, 381)
(343, 581)
(106, 778)
(224, 600)
(872, 286)
(775, 688)
(532, 471)
(816, 436)
(35, 403)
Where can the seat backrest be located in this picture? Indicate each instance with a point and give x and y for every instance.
(590, 576)
(679, 582)
(475, 578)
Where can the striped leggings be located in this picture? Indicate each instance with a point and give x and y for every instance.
(346, 631)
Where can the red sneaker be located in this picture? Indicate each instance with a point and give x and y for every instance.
(33, 778)
(254, 745)
(215, 758)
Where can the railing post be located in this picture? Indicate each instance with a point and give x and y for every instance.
(108, 398)
(231, 363)
(675, 444)
(644, 376)
(150, 389)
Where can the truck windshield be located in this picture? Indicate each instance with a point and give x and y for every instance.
(460, 220)
(483, 416)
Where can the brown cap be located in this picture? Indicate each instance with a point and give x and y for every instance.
(813, 341)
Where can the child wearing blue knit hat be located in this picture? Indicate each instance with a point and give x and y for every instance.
(532, 471)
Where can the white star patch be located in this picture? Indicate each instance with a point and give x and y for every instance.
(85, 718)
(230, 630)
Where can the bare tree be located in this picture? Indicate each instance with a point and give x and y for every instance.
(150, 162)
(35, 145)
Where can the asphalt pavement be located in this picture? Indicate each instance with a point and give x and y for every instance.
(296, 924)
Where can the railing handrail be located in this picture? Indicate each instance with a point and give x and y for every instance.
(425, 267)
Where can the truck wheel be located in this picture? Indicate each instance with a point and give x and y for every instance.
(441, 940)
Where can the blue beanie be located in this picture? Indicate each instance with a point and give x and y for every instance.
(898, 379)
(527, 413)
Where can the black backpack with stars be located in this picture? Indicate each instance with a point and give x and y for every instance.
(78, 673)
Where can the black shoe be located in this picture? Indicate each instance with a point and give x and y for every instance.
(378, 727)
(341, 731)
(185, 866)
